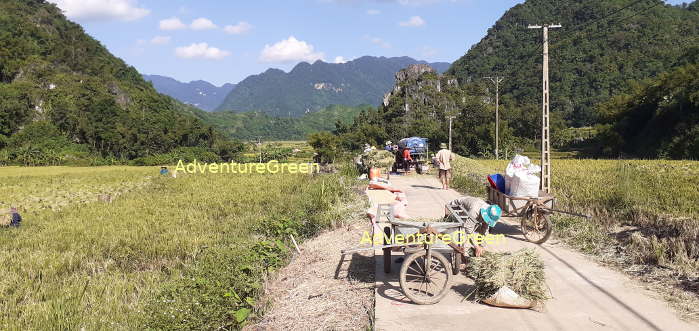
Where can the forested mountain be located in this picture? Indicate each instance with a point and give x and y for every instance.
(63, 96)
(655, 118)
(198, 93)
(311, 87)
(602, 45)
(253, 125)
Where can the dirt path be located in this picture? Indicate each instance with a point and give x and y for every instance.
(586, 296)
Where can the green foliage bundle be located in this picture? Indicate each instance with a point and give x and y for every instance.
(378, 158)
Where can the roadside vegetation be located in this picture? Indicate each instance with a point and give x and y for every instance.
(185, 253)
(645, 215)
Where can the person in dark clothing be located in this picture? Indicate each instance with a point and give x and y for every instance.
(16, 217)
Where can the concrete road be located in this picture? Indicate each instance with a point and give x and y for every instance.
(586, 296)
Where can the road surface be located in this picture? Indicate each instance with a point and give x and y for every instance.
(586, 296)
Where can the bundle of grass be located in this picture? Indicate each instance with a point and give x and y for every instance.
(514, 280)
(378, 159)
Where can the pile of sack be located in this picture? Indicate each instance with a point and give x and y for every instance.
(520, 179)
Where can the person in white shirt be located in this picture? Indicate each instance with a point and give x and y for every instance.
(444, 158)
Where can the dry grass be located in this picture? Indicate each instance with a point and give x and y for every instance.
(319, 290)
(521, 271)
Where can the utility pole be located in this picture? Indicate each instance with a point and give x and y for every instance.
(545, 184)
(259, 147)
(497, 80)
(450, 118)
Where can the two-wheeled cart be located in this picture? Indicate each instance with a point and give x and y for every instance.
(534, 212)
(426, 272)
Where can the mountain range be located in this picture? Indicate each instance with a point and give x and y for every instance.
(602, 45)
(198, 93)
(311, 87)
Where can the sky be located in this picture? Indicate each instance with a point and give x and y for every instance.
(224, 41)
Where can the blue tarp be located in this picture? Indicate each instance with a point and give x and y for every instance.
(416, 144)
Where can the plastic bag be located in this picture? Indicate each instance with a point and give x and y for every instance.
(507, 298)
(524, 184)
(533, 169)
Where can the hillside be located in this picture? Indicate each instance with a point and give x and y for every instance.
(63, 95)
(254, 125)
(670, 102)
(311, 87)
(198, 93)
(603, 44)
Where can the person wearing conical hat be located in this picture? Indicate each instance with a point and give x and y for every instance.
(481, 217)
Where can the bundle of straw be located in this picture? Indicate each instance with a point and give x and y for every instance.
(521, 271)
(378, 159)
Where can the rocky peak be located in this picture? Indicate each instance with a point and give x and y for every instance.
(413, 71)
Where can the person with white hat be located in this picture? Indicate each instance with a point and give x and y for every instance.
(481, 217)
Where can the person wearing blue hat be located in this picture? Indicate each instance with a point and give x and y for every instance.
(481, 217)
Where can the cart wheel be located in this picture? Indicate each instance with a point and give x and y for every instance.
(536, 227)
(421, 287)
(387, 251)
(456, 261)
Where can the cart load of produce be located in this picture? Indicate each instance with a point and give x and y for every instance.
(378, 159)
(512, 280)
(520, 178)
(416, 144)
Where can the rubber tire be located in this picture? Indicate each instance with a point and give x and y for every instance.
(387, 251)
(547, 224)
(404, 270)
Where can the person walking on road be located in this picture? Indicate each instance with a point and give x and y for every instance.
(444, 158)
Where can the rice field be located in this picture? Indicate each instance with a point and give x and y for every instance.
(185, 253)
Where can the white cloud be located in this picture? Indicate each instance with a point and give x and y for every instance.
(240, 28)
(160, 40)
(373, 12)
(201, 51)
(102, 10)
(379, 42)
(340, 59)
(414, 21)
(172, 23)
(203, 23)
(290, 50)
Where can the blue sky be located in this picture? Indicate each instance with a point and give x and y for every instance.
(223, 41)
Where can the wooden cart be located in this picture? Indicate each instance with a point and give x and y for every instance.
(425, 273)
(534, 212)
